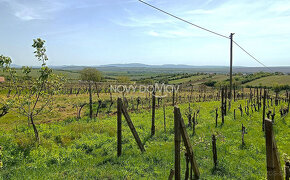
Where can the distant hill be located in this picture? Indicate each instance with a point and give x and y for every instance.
(168, 68)
(140, 65)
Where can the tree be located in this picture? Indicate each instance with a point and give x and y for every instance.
(35, 96)
(123, 79)
(91, 74)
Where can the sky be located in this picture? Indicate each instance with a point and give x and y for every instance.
(98, 32)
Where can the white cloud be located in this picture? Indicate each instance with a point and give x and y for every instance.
(33, 9)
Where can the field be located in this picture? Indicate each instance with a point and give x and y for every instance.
(271, 80)
(71, 145)
(73, 148)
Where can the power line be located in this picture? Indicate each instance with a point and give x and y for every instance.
(183, 20)
(176, 17)
(252, 56)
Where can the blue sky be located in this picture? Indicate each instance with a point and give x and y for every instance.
(96, 32)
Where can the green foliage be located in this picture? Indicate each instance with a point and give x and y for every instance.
(277, 88)
(5, 62)
(37, 94)
(40, 50)
(91, 74)
(123, 79)
(210, 83)
(146, 81)
(252, 77)
(26, 70)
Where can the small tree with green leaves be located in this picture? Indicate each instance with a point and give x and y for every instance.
(91, 75)
(37, 95)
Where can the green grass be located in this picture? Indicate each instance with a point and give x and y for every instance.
(189, 79)
(86, 149)
(70, 75)
(271, 81)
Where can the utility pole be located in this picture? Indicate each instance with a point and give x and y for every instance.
(231, 66)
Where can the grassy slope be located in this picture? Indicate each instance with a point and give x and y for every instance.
(87, 149)
(271, 80)
(185, 80)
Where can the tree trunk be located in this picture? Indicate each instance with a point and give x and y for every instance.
(34, 129)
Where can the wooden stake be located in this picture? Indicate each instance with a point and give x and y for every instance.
(177, 139)
(214, 151)
(132, 128)
(187, 144)
(273, 165)
(264, 109)
(216, 117)
(119, 127)
(171, 174)
(91, 101)
(153, 113)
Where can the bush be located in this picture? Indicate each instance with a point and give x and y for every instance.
(210, 83)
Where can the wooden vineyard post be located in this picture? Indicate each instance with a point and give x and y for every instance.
(216, 117)
(226, 98)
(187, 166)
(91, 101)
(241, 110)
(186, 142)
(177, 139)
(171, 174)
(234, 114)
(274, 171)
(132, 128)
(193, 124)
(223, 106)
(153, 113)
(287, 170)
(173, 96)
(164, 110)
(119, 127)
(243, 135)
(264, 109)
(235, 92)
(214, 151)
